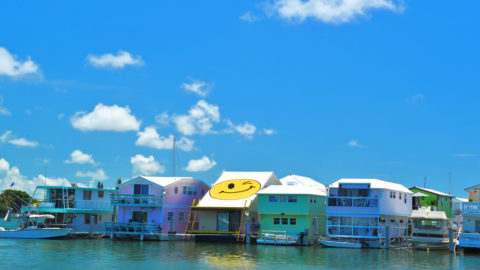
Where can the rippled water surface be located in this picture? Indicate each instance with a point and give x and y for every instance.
(104, 253)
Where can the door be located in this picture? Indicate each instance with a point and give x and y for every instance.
(477, 226)
(222, 221)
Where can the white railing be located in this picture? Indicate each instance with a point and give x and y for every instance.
(471, 208)
(365, 202)
(77, 204)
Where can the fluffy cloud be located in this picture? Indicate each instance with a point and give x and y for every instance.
(150, 138)
(109, 60)
(246, 129)
(12, 67)
(248, 17)
(106, 118)
(8, 137)
(466, 155)
(199, 120)
(3, 110)
(198, 87)
(79, 157)
(11, 174)
(269, 131)
(354, 143)
(146, 165)
(329, 11)
(200, 165)
(98, 175)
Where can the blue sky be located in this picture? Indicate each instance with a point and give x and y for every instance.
(381, 89)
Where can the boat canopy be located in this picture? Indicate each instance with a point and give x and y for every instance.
(42, 216)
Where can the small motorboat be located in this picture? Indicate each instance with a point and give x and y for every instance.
(430, 229)
(31, 229)
(340, 244)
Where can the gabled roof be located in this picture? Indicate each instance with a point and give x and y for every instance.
(264, 178)
(476, 186)
(297, 180)
(160, 181)
(294, 190)
(432, 191)
(374, 183)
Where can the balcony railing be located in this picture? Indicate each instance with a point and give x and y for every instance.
(132, 228)
(76, 204)
(364, 202)
(136, 200)
(471, 208)
(469, 240)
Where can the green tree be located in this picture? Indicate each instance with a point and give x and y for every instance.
(13, 199)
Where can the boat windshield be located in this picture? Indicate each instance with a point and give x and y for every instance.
(428, 224)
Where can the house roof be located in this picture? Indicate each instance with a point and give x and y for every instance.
(160, 180)
(476, 186)
(297, 180)
(374, 183)
(432, 191)
(295, 190)
(264, 178)
(78, 188)
(428, 214)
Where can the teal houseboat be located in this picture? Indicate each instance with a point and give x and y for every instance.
(292, 213)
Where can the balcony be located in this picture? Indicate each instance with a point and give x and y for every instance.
(471, 209)
(360, 205)
(136, 200)
(76, 206)
(469, 240)
(134, 228)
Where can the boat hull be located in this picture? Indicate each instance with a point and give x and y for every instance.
(44, 233)
(432, 243)
(339, 244)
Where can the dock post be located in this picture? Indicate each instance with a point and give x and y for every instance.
(315, 231)
(141, 237)
(387, 236)
(247, 232)
(450, 239)
(111, 235)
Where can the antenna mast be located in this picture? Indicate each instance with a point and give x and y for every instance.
(425, 182)
(173, 169)
(45, 193)
(449, 182)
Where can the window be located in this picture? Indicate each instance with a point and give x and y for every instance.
(283, 198)
(100, 194)
(293, 221)
(87, 219)
(87, 194)
(95, 219)
(190, 190)
(170, 216)
(276, 221)
(292, 199)
(139, 189)
(176, 190)
(400, 196)
(272, 198)
(181, 216)
(203, 191)
(139, 216)
(284, 221)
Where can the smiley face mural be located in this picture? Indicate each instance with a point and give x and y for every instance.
(235, 189)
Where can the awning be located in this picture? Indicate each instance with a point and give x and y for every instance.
(419, 194)
(42, 216)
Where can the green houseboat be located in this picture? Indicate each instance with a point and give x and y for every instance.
(439, 201)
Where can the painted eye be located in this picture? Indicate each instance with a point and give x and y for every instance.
(230, 186)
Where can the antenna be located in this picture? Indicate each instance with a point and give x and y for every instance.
(45, 193)
(425, 182)
(173, 169)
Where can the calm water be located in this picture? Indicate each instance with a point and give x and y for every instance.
(104, 253)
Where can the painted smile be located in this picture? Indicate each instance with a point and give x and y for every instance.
(237, 191)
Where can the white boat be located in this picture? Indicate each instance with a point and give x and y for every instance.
(429, 229)
(340, 244)
(33, 231)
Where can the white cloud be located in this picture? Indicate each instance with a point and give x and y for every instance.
(415, 99)
(94, 175)
(249, 17)
(246, 129)
(354, 143)
(146, 165)
(466, 155)
(78, 157)
(11, 174)
(3, 110)
(106, 118)
(329, 11)
(269, 131)
(162, 119)
(200, 165)
(150, 138)
(198, 87)
(8, 137)
(199, 120)
(12, 67)
(109, 60)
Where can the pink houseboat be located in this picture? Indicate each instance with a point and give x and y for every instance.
(148, 206)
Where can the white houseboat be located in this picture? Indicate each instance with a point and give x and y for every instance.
(429, 229)
(367, 213)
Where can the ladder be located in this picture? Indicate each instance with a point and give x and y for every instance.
(188, 219)
(241, 221)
